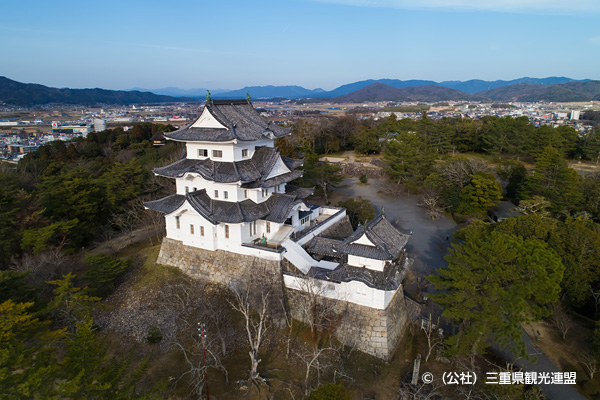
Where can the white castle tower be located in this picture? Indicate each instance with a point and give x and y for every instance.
(235, 212)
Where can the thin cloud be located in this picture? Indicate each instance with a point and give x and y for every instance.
(594, 40)
(513, 6)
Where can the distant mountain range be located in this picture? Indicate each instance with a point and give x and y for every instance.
(296, 92)
(527, 92)
(176, 92)
(30, 94)
(559, 89)
(381, 92)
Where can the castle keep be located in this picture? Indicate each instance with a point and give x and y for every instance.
(234, 213)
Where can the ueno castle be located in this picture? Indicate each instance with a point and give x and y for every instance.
(233, 202)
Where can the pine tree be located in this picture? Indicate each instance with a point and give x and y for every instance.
(494, 283)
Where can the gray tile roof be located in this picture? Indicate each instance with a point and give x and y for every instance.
(298, 191)
(167, 204)
(275, 209)
(388, 241)
(243, 123)
(252, 172)
(388, 279)
(324, 247)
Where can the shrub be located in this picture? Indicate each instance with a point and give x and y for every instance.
(154, 335)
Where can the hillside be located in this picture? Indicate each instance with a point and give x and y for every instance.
(572, 91)
(30, 94)
(381, 92)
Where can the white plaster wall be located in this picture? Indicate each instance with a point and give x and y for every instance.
(370, 263)
(226, 147)
(188, 216)
(232, 150)
(329, 223)
(234, 193)
(353, 292)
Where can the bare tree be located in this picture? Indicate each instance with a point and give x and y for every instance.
(256, 323)
(432, 333)
(595, 296)
(590, 362)
(44, 266)
(459, 170)
(420, 391)
(431, 201)
(289, 322)
(312, 357)
(560, 319)
(313, 306)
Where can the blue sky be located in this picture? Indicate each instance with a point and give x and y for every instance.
(312, 43)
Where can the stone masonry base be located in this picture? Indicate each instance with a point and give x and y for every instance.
(372, 331)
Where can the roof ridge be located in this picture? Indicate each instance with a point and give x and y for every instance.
(237, 171)
(239, 207)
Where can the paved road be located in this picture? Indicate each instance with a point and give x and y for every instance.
(542, 364)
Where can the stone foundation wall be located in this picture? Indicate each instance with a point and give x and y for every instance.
(222, 266)
(356, 169)
(375, 332)
(372, 331)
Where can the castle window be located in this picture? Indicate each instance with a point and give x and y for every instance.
(192, 229)
(201, 231)
(177, 222)
(227, 231)
(187, 189)
(195, 189)
(225, 194)
(254, 226)
(268, 227)
(202, 153)
(217, 153)
(245, 153)
(216, 194)
(245, 194)
(250, 226)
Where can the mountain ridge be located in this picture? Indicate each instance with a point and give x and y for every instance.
(29, 94)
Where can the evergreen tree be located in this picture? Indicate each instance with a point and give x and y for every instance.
(28, 365)
(88, 373)
(479, 195)
(492, 285)
(556, 182)
(359, 210)
(408, 157)
(103, 272)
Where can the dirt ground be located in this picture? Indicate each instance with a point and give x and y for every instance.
(564, 353)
